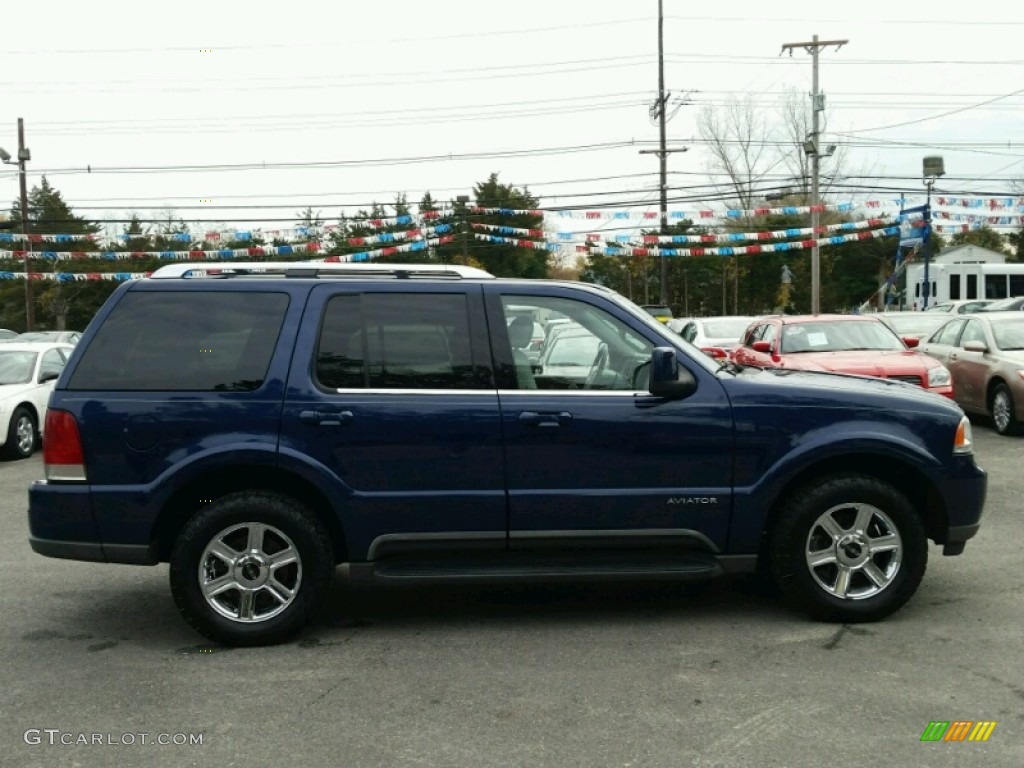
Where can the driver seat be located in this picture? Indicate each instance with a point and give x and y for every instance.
(520, 332)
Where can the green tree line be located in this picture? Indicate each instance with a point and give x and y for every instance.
(697, 285)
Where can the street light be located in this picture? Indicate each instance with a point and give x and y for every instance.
(24, 155)
(932, 168)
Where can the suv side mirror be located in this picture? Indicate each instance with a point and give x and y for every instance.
(762, 346)
(975, 346)
(668, 379)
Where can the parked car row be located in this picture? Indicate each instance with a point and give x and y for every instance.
(971, 354)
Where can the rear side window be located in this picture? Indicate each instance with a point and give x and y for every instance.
(396, 341)
(184, 341)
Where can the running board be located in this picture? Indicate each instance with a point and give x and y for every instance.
(690, 567)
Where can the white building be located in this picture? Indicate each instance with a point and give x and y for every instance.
(964, 272)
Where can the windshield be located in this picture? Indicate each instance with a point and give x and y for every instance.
(573, 351)
(916, 323)
(839, 336)
(1003, 304)
(37, 336)
(1009, 333)
(16, 367)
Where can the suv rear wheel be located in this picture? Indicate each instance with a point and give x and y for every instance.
(849, 548)
(251, 568)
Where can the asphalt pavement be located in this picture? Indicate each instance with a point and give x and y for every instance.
(95, 656)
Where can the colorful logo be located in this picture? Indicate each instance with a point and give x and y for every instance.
(958, 730)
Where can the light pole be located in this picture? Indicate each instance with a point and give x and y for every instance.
(24, 155)
(932, 168)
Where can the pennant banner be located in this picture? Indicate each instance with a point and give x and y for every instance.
(731, 213)
(913, 220)
(420, 245)
(978, 219)
(988, 203)
(391, 237)
(542, 246)
(222, 253)
(747, 249)
(74, 277)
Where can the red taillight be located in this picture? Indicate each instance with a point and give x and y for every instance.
(716, 352)
(62, 447)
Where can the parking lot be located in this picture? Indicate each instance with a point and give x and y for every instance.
(580, 675)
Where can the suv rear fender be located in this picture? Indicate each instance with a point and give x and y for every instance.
(900, 462)
(290, 475)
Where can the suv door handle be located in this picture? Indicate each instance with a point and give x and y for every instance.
(326, 418)
(535, 419)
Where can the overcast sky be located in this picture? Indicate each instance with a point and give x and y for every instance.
(112, 85)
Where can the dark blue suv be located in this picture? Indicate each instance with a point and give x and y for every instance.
(255, 425)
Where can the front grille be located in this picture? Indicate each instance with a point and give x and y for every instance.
(909, 379)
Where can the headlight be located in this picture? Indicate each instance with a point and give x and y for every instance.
(938, 376)
(964, 441)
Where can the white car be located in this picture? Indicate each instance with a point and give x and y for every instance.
(960, 306)
(716, 336)
(28, 371)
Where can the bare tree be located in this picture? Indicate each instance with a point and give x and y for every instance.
(738, 138)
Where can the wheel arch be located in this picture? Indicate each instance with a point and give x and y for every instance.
(990, 390)
(902, 475)
(202, 489)
(31, 408)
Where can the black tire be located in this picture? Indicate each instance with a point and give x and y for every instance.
(882, 511)
(1002, 410)
(16, 446)
(232, 523)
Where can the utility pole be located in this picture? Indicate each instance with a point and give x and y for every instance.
(23, 156)
(662, 152)
(463, 200)
(814, 151)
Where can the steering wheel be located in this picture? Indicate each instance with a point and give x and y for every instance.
(598, 366)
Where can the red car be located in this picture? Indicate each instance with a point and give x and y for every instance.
(859, 344)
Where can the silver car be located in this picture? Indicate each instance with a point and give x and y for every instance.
(984, 352)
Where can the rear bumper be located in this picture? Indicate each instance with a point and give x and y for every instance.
(61, 524)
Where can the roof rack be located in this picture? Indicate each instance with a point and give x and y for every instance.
(228, 269)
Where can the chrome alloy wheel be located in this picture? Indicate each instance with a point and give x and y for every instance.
(25, 434)
(1001, 410)
(250, 572)
(854, 551)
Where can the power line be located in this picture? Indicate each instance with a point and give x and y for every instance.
(934, 117)
(484, 155)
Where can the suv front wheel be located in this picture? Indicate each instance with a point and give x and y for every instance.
(849, 548)
(251, 568)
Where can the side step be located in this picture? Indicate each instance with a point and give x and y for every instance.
(518, 567)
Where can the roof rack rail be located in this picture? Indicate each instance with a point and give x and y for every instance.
(313, 269)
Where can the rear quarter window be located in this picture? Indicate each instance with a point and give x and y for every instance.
(184, 341)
